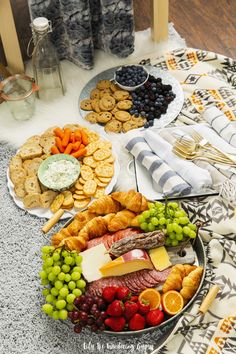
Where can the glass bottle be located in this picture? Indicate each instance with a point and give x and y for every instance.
(45, 61)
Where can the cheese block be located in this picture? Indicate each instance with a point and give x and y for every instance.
(159, 258)
(127, 263)
(92, 260)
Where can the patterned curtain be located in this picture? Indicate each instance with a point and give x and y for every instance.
(80, 26)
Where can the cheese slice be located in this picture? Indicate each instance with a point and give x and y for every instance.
(159, 258)
(129, 262)
(93, 259)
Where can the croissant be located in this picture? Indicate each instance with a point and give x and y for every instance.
(96, 227)
(131, 200)
(104, 205)
(59, 236)
(191, 283)
(77, 243)
(121, 220)
(176, 276)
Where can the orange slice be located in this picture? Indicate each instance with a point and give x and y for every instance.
(172, 302)
(152, 296)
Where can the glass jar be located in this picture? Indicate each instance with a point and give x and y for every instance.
(19, 93)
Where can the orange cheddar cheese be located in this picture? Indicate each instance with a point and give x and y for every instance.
(129, 262)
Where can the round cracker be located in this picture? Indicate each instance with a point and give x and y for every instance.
(91, 148)
(81, 180)
(104, 170)
(86, 172)
(99, 192)
(81, 204)
(79, 196)
(104, 179)
(89, 161)
(99, 183)
(78, 186)
(90, 187)
(101, 154)
(104, 144)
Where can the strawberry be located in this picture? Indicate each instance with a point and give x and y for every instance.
(134, 298)
(116, 308)
(155, 317)
(143, 307)
(108, 293)
(117, 324)
(123, 293)
(131, 308)
(137, 322)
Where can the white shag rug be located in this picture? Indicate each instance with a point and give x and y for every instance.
(65, 109)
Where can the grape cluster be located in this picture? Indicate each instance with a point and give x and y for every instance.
(131, 75)
(61, 276)
(151, 100)
(90, 311)
(170, 218)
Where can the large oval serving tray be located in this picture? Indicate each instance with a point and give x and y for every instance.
(173, 109)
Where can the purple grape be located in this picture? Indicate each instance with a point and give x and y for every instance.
(89, 301)
(103, 314)
(75, 315)
(77, 328)
(102, 327)
(84, 307)
(99, 321)
(83, 316)
(90, 321)
(101, 304)
(96, 313)
(94, 328)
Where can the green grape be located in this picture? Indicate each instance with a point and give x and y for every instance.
(168, 241)
(58, 284)
(48, 270)
(179, 229)
(81, 284)
(192, 227)
(151, 227)
(144, 226)
(183, 220)
(168, 221)
(64, 292)
(158, 205)
(56, 270)
(57, 263)
(192, 234)
(70, 298)
(186, 230)
(47, 249)
(75, 276)
(78, 259)
(151, 205)
(77, 269)
(60, 304)
(43, 274)
(146, 214)
(49, 261)
(68, 277)
(61, 276)
(155, 221)
(65, 286)
(45, 292)
(175, 227)
(152, 212)
(50, 298)
(162, 221)
(65, 253)
(172, 236)
(173, 205)
(71, 285)
(169, 228)
(54, 291)
(77, 292)
(180, 213)
(70, 307)
(60, 298)
(176, 221)
(44, 282)
(51, 277)
(65, 268)
(179, 237)
(161, 215)
(141, 219)
(63, 314)
(55, 315)
(44, 256)
(170, 212)
(69, 260)
(174, 243)
(56, 256)
(47, 308)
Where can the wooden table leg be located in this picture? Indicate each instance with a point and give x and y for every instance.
(9, 38)
(159, 19)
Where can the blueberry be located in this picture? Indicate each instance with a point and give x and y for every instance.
(151, 122)
(146, 125)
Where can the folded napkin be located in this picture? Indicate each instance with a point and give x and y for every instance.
(220, 124)
(167, 181)
(197, 177)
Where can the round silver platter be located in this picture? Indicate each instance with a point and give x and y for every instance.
(174, 107)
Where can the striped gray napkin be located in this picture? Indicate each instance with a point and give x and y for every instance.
(166, 179)
(220, 124)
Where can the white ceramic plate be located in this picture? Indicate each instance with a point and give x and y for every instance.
(46, 213)
(173, 109)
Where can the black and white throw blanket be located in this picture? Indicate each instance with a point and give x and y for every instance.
(80, 26)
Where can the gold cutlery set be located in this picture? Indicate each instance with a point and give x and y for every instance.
(198, 148)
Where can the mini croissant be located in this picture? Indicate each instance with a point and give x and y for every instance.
(121, 220)
(96, 227)
(104, 205)
(131, 200)
(176, 276)
(75, 243)
(191, 283)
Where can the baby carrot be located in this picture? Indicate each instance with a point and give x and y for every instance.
(66, 138)
(72, 137)
(58, 132)
(54, 150)
(76, 145)
(84, 137)
(77, 135)
(79, 153)
(58, 144)
(68, 148)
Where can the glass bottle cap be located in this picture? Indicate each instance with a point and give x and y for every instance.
(40, 24)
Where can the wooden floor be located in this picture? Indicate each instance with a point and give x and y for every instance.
(204, 24)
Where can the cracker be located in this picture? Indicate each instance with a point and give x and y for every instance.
(68, 201)
(104, 170)
(99, 192)
(30, 151)
(57, 203)
(92, 136)
(104, 179)
(16, 162)
(20, 190)
(91, 148)
(86, 172)
(46, 198)
(104, 144)
(101, 154)
(80, 192)
(32, 201)
(101, 184)
(33, 139)
(17, 175)
(89, 161)
(72, 127)
(82, 203)
(80, 196)
(32, 184)
(81, 180)
(90, 187)
(110, 159)
(78, 186)
(33, 166)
